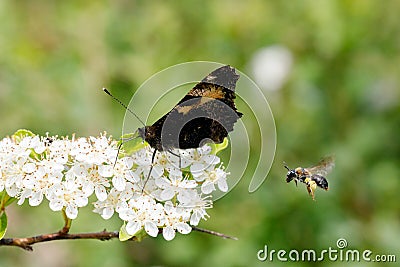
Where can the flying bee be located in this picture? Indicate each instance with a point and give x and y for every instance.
(313, 176)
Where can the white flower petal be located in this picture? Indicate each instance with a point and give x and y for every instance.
(195, 219)
(56, 205)
(29, 167)
(211, 159)
(174, 171)
(107, 213)
(119, 183)
(157, 172)
(11, 190)
(36, 198)
(71, 211)
(167, 194)
(223, 185)
(106, 170)
(132, 227)
(168, 206)
(168, 233)
(40, 148)
(88, 188)
(101, 193)
(151, 228)
(127, 214)
(132, 176)
(21, 201)
(183, 228)
(29, 181)
(207, 187)
(127, 193)
(197, 169)
(162, 182)
(121, 206)
(185, 196)
(188, 184)
(79, 171)
(81, 201)
(128, 162)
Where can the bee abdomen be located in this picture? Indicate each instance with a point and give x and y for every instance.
(320, 181)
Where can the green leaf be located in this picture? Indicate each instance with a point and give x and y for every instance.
(9, 201)
(215, 148)
(5, 199)
(20, 134)
(132, 143)
(140, 235)
(123, 235)
(3, 224)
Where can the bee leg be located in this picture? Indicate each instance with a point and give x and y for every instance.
(311, 192)
(311, 186)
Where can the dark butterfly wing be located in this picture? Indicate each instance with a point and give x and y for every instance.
(208, 111)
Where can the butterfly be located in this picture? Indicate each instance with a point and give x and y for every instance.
(206, 114)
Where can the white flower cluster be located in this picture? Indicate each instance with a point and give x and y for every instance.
(166, 195)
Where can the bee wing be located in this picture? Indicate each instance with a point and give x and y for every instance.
(323, 167)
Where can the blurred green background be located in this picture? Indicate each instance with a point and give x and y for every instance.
(341, 96)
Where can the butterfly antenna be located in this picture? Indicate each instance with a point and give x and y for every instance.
(125, 106)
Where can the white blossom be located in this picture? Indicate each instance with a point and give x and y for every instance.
(67, 195)
(165, 195)
(115, 201)
(202, 160)
(197, 205)
(143, 212)
(96, 183)
(212, 178)
(174, 185)
(175, 220)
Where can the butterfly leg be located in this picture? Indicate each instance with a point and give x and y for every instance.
(151, 168)
(180, 159)
(116, 157)
(177, 155)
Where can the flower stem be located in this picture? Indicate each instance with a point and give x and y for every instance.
(67, 223)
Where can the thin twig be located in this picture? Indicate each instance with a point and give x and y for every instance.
(27, 242)
(214, 233)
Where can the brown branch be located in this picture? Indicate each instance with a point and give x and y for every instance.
(27, 242)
